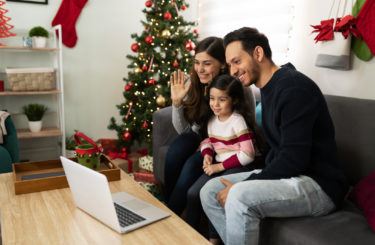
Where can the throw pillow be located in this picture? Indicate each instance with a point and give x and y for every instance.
(363, 194)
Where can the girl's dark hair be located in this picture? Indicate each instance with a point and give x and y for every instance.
(235, 91)
(195, 106)
(250, 38)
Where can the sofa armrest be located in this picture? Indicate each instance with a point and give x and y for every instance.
(163, 133)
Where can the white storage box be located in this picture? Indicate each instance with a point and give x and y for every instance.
(31, 79)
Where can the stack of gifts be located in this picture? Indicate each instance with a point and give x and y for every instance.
(145, 176)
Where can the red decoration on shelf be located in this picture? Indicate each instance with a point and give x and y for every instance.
(134, 47)
(148, 4)
(4, 27)
(190, 45)
(167, 15)
(127, 136)
(145, 125)
(175, 64)
(148, 39)
(128, 87)
(151, 82)
(144, 68)
(183, 7)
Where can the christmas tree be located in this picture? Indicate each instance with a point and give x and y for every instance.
(166, 44)
(4, 27)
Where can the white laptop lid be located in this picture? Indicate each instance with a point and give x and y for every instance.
(91, 192)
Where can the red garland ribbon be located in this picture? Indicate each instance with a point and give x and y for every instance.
(175, 5)
(152, 60)
(130, 107)
(345, 25)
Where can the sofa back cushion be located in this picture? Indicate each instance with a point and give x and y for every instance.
(354, 121)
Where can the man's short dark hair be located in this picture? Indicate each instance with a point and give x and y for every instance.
(250, 38)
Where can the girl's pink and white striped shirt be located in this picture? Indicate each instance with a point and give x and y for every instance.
(231, 140)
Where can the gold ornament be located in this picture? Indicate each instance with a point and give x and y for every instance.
(166, 34)
(160, 100)
(137, 70)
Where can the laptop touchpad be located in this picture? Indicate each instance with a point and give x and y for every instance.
(135, 205)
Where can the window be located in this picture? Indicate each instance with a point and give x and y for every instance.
(271, 17)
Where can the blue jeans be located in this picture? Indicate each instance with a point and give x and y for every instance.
(194, 207)
(250, 201)
(183, 166)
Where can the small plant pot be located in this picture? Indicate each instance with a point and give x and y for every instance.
(35, 126)
(39, 42)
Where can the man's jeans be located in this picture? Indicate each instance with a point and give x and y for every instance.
(250, 201)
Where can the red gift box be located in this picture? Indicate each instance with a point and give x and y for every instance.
(145, 177)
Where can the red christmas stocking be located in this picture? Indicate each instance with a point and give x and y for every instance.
(366, 24)
(67, 16)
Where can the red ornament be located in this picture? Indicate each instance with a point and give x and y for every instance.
(148, 39)
(148, 4)
(127, 136)
(151, 82)
(183, 7)
(167, 15)
(134, 47)
(190, 45)
(144, 68)
(175, 64)
(123, 149)
(145, 125)
(128, 87)
(195, 31)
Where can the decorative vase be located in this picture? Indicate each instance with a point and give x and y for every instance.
(39, 42)
(35, 126)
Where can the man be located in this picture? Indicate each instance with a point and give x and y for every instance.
(301, 175)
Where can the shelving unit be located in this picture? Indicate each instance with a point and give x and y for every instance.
(54, 99)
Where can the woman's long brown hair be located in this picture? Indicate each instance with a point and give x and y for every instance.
(195, 106)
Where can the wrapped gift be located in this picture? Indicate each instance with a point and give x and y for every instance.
(109, 145)
(145, 177)
(130, 164)
(145, 162)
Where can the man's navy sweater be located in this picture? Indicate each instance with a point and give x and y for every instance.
(299, 131)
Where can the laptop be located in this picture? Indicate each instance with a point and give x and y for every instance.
(120, 211)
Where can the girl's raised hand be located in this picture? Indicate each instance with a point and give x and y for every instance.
(178, 89)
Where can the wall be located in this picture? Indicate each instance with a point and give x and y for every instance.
(358, 82)
(94, 68)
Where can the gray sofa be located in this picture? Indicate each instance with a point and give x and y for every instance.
(355, 135)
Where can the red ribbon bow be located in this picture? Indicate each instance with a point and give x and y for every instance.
(346, 25)
(325, 30)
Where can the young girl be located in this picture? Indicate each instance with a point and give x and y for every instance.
(231, 138)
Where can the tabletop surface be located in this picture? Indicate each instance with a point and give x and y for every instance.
(51, 217)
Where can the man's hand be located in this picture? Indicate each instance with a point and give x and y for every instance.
(222, 195)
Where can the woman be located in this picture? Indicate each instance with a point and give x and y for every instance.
(183, 162)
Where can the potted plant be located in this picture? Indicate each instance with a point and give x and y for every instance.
(39, 36)
(34, 113)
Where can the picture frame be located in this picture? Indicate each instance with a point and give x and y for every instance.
(30, 1)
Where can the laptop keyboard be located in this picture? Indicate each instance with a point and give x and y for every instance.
(127, 217)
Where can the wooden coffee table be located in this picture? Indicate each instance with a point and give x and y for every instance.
(51, 217)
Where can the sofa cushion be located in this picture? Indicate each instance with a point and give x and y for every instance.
(345, 227)
(363, 194)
